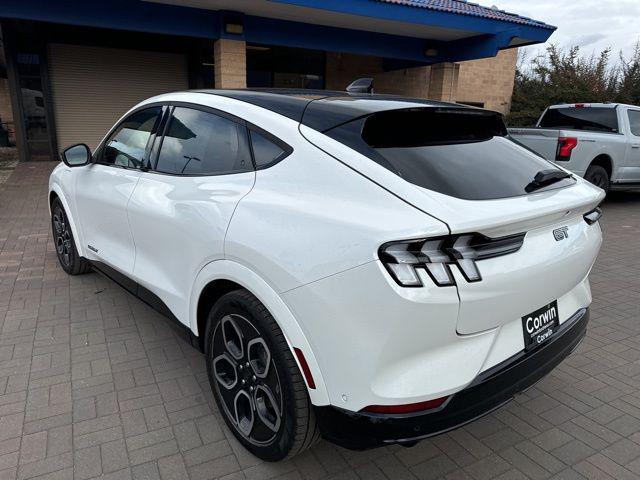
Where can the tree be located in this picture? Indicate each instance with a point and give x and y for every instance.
(559, 76)
(629, 83)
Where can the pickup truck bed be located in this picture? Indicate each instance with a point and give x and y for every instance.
(600, 142)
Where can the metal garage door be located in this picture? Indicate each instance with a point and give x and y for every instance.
(93, 86)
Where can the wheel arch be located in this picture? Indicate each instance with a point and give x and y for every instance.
(222, 276)
(56, 192)
(605, 161)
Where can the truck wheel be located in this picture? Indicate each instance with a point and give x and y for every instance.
(598, 176)
(256, 381)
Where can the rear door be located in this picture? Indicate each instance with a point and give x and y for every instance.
(181, 208)
(103, 190)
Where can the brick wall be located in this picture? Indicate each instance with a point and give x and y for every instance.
(344, 68)
(489, 81)
(6, 113)
(230, 63)
(443, 82)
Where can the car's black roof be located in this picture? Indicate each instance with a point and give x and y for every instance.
(323, 109)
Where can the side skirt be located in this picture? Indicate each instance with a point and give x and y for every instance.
(622, 186)
(148, 297)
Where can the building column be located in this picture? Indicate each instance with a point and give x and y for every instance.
(230, 63)
(443, 82)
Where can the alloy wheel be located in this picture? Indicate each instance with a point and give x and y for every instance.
(247, 380)
(62, 234)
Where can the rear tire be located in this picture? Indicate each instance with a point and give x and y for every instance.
(598, 176)
(256, 381)
(66, 250)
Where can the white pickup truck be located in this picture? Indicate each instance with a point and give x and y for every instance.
(598, 141)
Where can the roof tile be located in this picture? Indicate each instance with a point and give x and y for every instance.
(463, 7)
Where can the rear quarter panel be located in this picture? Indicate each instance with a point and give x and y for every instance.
(543, 141)
(590, 146)
(310, 217)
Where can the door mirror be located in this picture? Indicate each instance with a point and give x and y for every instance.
(77, 155)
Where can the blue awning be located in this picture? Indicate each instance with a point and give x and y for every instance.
(416, 32)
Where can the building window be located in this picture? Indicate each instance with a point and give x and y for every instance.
(284, 67)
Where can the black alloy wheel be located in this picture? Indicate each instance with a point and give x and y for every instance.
(255, 380)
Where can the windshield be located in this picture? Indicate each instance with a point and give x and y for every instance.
(581, 118)
(454, 154)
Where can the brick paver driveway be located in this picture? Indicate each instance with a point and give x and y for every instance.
(95, 384)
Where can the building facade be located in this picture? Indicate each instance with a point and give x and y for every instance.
(69, 70)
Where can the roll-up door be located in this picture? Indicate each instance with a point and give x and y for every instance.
(92, 87)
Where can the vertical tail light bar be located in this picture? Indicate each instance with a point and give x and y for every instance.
(565, 147)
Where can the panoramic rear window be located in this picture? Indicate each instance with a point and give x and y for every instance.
(581, 118)
(461, 153)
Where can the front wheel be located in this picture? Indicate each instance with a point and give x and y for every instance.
(70, 261)
(255, 380)
(598, 176)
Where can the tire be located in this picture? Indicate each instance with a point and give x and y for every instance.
(599, 177)
(66, 250)
(255, 380)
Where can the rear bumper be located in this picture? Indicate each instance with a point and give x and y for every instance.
(489, 391)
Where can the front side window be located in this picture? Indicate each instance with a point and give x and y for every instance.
(203, 143)
(634, 122)
(126, 146)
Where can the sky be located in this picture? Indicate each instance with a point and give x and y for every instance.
(593, 25)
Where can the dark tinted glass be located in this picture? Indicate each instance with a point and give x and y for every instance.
(202, 143)
(595, 119)
(127, 144)
(453, 153)
(634, 122)
(265, 152)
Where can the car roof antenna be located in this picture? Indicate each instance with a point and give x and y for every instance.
(361, 85)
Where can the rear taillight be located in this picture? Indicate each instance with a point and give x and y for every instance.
(403, 260)
(410, 408)
(565, 147)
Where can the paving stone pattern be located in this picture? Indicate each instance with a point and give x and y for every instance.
(94, 384)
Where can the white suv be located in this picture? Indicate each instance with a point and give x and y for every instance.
(367, 268)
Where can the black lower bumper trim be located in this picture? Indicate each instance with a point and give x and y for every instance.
(491, 390)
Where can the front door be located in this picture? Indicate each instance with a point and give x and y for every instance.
(104, 188)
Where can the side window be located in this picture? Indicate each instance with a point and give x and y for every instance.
(266, 151)
(634, 122)
(126, 146)
(202, 143)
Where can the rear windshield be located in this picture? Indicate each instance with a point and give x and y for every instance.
(585, 118)
(462, 154)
